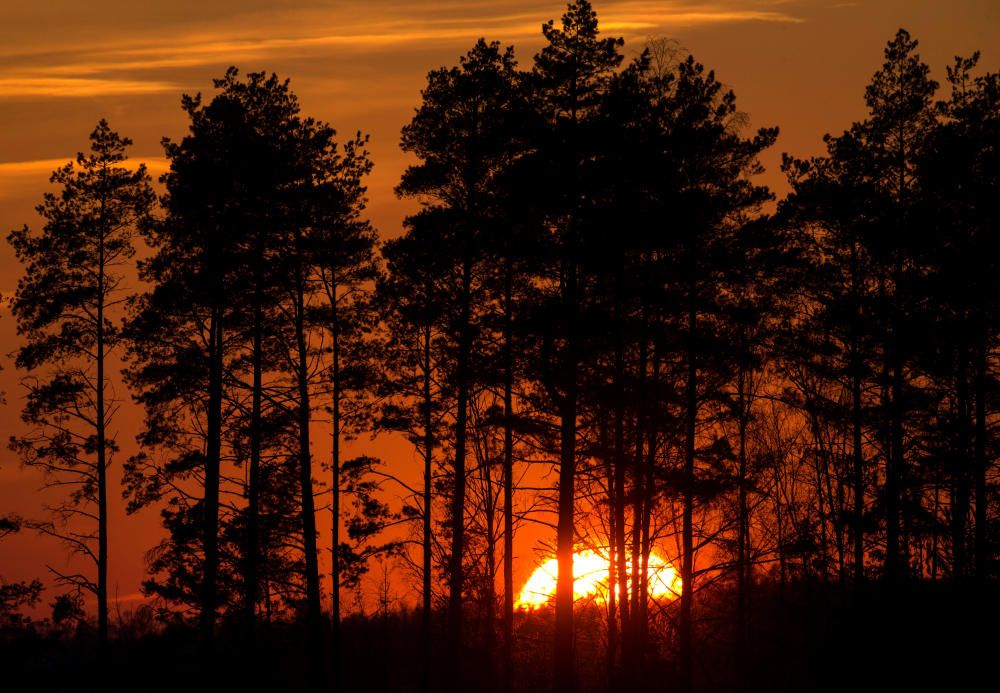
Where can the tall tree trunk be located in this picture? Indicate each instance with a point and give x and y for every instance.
(456, 570)
(618, 495)
(858, 468)
(687, 522)
(982, 534)
(566, 532)
(335, 652)
(102, 461)
(314, 627)
(961, 498)
(646, 543)
(743, 530)
(779, 530)
(490, 619)
(612, 613)
(894, 454)
(427, 519)
(213, 453)
(252, 549)
(638, 494)
(508, 482)
(619, 525)
(210, 503)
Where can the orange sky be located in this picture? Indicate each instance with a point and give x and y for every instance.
(64, 64)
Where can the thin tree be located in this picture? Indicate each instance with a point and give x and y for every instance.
(65, 308)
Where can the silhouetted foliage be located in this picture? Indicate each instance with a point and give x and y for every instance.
(65, 305)
(598, 320)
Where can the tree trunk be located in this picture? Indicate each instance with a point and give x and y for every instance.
(859, 470)
(252, 550)
(456, 569)
(508, 484)
(687, 526)
(213, 452)
(618, 487)
(102, 462)
(566, 532)
(743, 530)
(335, 652)
(982, 533)
(314, 628)
(894, 456)
(612, 613)
(427, 519)
(961, 498)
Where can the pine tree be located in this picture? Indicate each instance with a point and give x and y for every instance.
(65, 308)
(900, 102)
(410, 297)
(461, 135)
(959, 178)
(570, 74)
(342, 255)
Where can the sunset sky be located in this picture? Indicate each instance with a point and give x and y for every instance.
(64, 64)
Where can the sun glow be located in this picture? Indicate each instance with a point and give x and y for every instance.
(590, 580)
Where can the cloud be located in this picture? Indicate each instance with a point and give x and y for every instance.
(39, 85)
(20, 177)
(132, 66)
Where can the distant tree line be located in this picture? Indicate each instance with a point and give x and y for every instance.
(765, 392)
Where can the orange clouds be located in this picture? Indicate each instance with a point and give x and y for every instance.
(33, 86)
(136, 64)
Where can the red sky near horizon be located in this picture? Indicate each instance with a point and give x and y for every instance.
(798, 64)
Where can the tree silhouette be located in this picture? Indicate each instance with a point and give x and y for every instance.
(342, 254)
(410, 296)
(461, 135)
(958, 170)
(64, 307)
(738, 415)
(569, 75)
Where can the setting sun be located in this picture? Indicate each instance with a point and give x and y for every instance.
(590, 571)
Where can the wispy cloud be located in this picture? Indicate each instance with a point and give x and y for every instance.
(18, 177)
(35, 85)
(135, 66)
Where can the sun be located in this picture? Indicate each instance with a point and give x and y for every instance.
(590, 580)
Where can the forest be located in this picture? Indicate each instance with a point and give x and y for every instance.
(757, 437)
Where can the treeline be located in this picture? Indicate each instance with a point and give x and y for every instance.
(764, 392)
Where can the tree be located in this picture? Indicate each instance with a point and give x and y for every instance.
(958, 171)
(410, 296)
(64, 306)
(834, 206)
(341, 247)
(900, 102)
(712, 196)
(215, 317)
(570, 74)
(461, 133)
